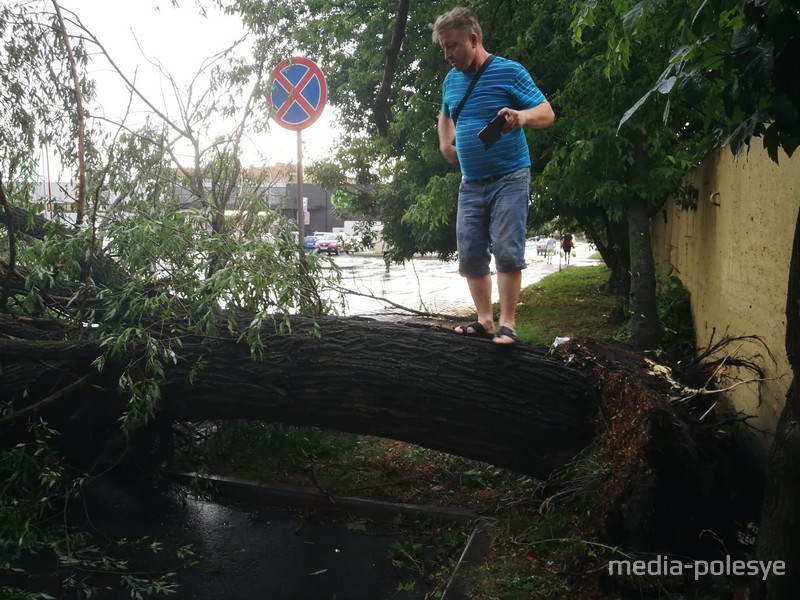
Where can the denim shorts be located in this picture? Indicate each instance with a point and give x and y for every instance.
(492, 219)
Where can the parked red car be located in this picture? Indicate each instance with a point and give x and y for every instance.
(329, 243)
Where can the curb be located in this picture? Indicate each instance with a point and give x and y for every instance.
(294, 496)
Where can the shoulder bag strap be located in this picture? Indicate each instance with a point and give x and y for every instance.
(472, 83)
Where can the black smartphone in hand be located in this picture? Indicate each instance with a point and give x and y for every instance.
(492, 132)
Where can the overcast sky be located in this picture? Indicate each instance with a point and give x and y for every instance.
(135, 31)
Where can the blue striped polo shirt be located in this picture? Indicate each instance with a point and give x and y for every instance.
(505, 83)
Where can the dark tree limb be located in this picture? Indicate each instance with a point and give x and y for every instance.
(40, 405)
(20, 221)
(380, 108)
(49, 349)
(29, 328)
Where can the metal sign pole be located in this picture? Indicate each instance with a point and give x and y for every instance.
(301, 217)
(298, 94)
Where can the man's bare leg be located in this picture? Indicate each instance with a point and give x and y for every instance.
(508, 286)
(481, 290)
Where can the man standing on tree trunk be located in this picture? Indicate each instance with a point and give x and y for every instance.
(495, 188)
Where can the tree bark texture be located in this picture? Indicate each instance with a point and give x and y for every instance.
(512, 407)
(645, 326)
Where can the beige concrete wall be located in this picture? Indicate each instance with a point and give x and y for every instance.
(732, 253)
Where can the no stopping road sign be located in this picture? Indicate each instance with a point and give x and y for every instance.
(298, 93)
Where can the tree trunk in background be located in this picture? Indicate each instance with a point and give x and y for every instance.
(621, 265)
(779, 533)
(645, 325)
(380, 108)
(613, 246)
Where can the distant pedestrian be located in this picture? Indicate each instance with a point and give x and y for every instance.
(550, 248)
(567, 244)
(387, 255)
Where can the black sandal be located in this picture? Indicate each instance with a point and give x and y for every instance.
(506, 332)
(478, 331)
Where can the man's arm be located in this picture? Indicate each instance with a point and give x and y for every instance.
(447, 133)
(538, 117)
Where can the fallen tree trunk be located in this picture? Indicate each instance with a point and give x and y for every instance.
(512, 407)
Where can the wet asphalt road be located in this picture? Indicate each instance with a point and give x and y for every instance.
(427, 284)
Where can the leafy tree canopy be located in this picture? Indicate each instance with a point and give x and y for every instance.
(734, 63)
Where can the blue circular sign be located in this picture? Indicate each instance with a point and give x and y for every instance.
(298, 93)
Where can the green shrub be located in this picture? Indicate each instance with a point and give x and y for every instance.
(675, 314)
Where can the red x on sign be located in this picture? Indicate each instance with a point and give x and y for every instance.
(298, 93)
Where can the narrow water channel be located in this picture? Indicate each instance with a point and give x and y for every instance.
(232, 549)
(275, 553)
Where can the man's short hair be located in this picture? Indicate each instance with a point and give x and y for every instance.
(461, 19)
